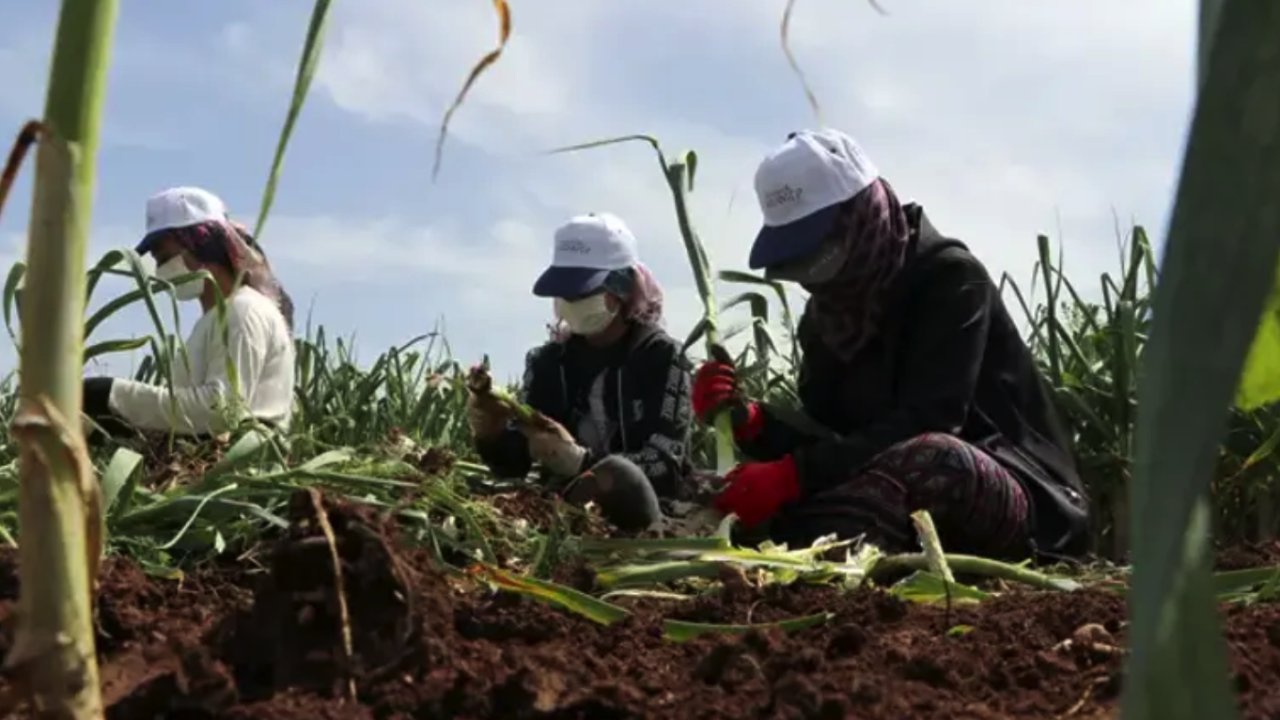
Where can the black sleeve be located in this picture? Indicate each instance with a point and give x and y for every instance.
(779, 435)
(777, 438)
(507, 454)
(668, 415)
(97, 407)
(939, 359)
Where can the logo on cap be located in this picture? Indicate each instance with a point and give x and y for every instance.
(785, 195)
(575, 246)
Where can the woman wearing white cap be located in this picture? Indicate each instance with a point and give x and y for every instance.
(924, 394)
(229, 373)
(610, 384)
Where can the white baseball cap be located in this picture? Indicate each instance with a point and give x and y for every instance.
(179, 207)
(587, 249)
(800, 187)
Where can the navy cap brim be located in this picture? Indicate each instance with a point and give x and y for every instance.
(148, 242)
(782, 244)
(815, 269)
(569, 282)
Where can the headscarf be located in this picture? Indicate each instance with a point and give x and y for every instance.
(641, 295)
(230, 244)
(848, 309)
(644, 303)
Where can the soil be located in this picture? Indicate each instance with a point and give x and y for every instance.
(229, 643)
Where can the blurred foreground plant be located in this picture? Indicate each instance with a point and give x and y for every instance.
(53, 656)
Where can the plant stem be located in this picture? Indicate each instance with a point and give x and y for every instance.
(679, 179)
(54, 648)
(971, 565)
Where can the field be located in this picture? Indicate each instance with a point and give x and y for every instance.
(465, 597)
(262, 637)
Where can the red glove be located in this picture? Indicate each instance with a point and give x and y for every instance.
(758, 490)
(716, 385)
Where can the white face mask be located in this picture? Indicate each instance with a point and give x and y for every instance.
(587, 316)
(174, 268)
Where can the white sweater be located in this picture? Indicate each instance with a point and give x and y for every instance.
(261, 349)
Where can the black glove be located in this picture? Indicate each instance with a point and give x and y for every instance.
(97, 396)
(97, 405)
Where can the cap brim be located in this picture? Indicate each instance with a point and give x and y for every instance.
(148, 242)
(816, 268)
(785, 244)
(569, 282)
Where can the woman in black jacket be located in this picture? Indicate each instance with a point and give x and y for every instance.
(924, 394)
(610, 385)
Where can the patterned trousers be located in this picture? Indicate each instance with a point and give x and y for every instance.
(976, 505)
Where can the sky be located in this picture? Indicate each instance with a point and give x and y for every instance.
(1003, 118)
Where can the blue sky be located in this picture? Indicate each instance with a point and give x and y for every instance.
(1004, 118)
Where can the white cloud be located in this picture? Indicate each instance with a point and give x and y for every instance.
(1002, 118)
(1005, 121)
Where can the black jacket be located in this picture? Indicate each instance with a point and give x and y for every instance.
(948, 358)
(643, 379)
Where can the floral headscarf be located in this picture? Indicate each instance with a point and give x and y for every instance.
(230, 244)
(848, 308)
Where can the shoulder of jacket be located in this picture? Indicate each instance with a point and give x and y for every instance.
(661, 346)
(548, 353)
(252, 308)
(950, 259)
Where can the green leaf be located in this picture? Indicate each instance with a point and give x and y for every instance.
(926, 587)
(114, 346)
(119, 474)
(681, 631)
(1219, 264)
(549, 592)
(307, 65)
(325, 459)
(247, 450)
(1232, 583)
(1260, 382)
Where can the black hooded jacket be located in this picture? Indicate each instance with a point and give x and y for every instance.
(948, 358)
(643, 379)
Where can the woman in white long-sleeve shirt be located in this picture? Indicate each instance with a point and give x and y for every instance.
(227, 376)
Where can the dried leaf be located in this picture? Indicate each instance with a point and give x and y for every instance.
(42, 433)
(504, 32)
(791, 60)
(27, 137)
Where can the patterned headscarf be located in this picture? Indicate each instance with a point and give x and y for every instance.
(848, 309)
(644, 303)
(231, 245)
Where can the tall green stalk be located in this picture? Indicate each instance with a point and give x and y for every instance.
(60, 504)
(1219, 263)
(679, 174)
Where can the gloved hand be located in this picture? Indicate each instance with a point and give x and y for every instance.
(757, 491)
(715, 386)
(553, 447)
(98, 422)
(97, 396)
(486, 416)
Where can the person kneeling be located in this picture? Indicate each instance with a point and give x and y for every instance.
(228, 374)
(922, 392)
(610, 372)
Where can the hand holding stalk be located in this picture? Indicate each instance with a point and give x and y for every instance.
(489, 407)
(679, 174)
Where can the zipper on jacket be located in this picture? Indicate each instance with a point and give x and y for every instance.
(622, 414)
